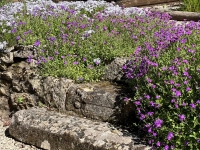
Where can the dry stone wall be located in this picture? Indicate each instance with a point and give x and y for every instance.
(21, 87)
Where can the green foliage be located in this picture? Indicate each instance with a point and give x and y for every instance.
(20, 100)
(4, 2)
(191, 5)
(66, 34)
(171, 91)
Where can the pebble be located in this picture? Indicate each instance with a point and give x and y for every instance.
(8, 143)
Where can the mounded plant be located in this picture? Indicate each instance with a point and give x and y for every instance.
(191, 5)
(166, 82)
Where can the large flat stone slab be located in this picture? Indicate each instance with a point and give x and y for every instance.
(52, 131)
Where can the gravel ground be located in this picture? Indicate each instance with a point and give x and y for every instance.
(8, 143)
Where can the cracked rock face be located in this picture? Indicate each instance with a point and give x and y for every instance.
(22, 87)
(50, 130)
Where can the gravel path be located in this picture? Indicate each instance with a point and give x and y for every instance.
(8, 143)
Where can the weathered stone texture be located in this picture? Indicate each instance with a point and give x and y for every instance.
(23, 87)
(52, 131)
(4, 108)
(114, 70)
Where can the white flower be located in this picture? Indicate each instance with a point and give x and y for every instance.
(5, 43)
(89, 31)
(1, 46)
(97, 61)
(4, 30)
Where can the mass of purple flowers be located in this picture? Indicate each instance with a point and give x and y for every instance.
(165, 76)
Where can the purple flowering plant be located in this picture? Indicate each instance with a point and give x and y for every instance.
(176, 78)
(93, 34)
(163, 71)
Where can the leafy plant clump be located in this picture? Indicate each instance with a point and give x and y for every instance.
(167, 87)
(191, 5)
(78, 46)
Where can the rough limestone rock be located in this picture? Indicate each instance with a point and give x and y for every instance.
(23, 101)
(4, 108)
(114, 70)
(52, 131)
(103, 101)
(23, 87)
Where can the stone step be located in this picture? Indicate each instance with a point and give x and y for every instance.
(54, 131)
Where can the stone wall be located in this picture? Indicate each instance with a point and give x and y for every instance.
(21, 87)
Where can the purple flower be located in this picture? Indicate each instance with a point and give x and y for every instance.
(84, 59)
(75, 63)
(171, 82)
(166, 147)
(153, 86)
(150, 113)
(176, 105)
(158, 144)
(124, 67)
(185, 73)
(43, 59)
(150, 130)
(97, 61)
(154, 134)
(185, 61)
(38, 62)
(37, 43)
(152, 103)
(183, 40)
(198, 101)
(149, 80)
(173, 100)
(157, 96)
(158, 123)
(139, 111)
(90, 66)
(147, 96)
(137, 103)
(50, 58)
(14, 30)
(62, 57)
(142, 116)
(178, 93)
(186, 142)
(56, 53)
(188, 89)
(126, 99)
(65, 62)
(193, 105)
(177, 84)
(181, 117)
(18, 37)
(104, 28)
(29, 59)
(184, 104)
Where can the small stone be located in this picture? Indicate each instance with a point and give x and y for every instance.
(77, 105)
(6, 75)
